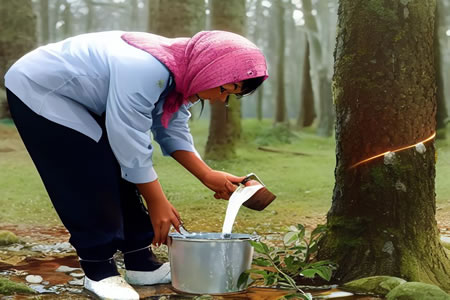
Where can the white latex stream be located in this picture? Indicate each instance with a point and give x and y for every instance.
(240, 195)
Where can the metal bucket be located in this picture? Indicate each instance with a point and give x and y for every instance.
(206, 263)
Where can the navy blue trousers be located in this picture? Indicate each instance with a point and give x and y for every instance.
(102, 212)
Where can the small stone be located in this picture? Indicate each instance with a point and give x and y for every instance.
(66, 269)
(33, 279)
(74, 290)
(39, 288)
(45, 282)
(7, 238)
(57, 248)
(417, 291)
(77, 282)
(77, 275)
(14, 248)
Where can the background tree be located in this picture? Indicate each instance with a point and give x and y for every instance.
(67, 19)
(177, 18)
(280, 107)
(317, 26)
(382, 219)
(225, 123)
(44, 21)
(17, 35)
(307, 112)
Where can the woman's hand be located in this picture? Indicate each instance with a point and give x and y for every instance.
(163, 215)
(161, 211)
(222, 183)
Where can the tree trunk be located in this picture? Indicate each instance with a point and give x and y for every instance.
(67, 16)
(259, 103)
(17, 36)
(326, 120)
(382, 218)
(89, 16)
(44, 17)
(441, 113)
(134, 15)
(225, 123)
(177, 18)
(260, 91)
(280, 108)
(319, 69)
(307, 113)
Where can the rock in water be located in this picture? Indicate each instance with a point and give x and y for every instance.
(66, 269)
(417, 291)
(77, 275)
(33, 279)
(77, 282)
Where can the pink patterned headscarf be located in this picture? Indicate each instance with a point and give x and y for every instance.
(207, 60)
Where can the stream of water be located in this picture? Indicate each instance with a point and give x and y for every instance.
(239, 196)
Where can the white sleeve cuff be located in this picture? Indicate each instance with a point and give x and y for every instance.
(139, 175)
(170, 145)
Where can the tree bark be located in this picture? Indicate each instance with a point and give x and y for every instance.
(225, 123)
(307, 112)
(382, 218)
(441, 114)
(177, 18)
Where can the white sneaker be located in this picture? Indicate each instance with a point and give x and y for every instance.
(111, 288)
(159, 276)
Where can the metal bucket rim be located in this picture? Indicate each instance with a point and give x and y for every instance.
(243, 237)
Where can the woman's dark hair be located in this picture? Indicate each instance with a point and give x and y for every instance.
(248, 87)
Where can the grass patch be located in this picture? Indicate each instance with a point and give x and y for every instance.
(8, 287)
(303, 184)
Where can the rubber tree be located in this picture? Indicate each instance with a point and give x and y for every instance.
(382, 218)
(225, 123)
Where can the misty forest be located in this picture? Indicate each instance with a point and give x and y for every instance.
(349, 131)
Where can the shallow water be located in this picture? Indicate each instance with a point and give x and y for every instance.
(46, 267)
